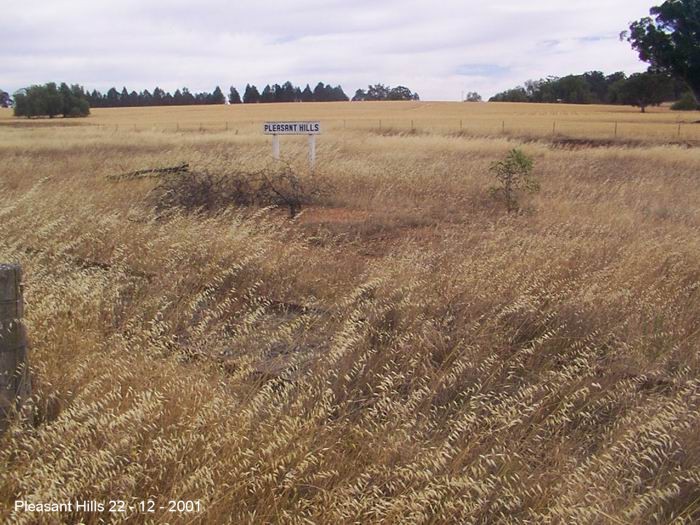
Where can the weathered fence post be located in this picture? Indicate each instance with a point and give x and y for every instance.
(15, 386)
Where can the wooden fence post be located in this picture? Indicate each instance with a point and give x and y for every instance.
(15, 386)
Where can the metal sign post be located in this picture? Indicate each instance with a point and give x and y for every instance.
(310, 128)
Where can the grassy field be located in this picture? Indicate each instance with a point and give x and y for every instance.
(493, 119)
(402, 351)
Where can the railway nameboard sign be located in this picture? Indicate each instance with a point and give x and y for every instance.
(292, 128)
(304, 127)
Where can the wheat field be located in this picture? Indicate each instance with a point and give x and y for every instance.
(402, 351)
(482, 119)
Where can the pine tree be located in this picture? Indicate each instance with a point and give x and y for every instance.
(234, 97)
(266, 95)
(251, 95)
(307, 95)
(217, 96)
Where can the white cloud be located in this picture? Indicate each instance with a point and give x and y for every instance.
(438, 49)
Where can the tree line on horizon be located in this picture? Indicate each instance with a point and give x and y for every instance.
(595, 87)
(43, 100)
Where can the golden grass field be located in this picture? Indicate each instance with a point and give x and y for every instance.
(509, 119)
(403, 351)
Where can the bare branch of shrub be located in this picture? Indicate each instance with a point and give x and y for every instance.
(203, 191)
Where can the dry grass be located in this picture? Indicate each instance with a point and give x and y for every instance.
(485, 119)
(402, 352)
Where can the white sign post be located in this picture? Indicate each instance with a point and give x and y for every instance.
(310, 128)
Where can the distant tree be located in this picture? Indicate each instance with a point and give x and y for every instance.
(473, 96)
(267, 95)
(400, 93)
(5, 100)
(124, 98)
(518, 94)
(382, 92)
(217, 96)
(54, 101)
(50, 100)
(187, 97)
(360, 95)
(286, 92)
(23, 104)
(613, 83)
(307, 95)
(251, 95)
(573, 89)
(112, 98)
(95, 99)
(233, 96)
(157, 98)
(377, 92)
(645, 89)
(320, 92)
(297, 94)
(597, 86)
(145, 98)
(338, 95)
(670, 41)
(686, 103)
(75, 103)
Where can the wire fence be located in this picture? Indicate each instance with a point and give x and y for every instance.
(536, 127)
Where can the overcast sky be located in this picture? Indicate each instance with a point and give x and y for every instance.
(438, 48)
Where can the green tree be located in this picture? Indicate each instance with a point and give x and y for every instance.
(307, 95)
(320, 92)
(50, 100)
(399, 93)
(338, 95)
(669, 40)
(377, 92)
(514, 177)
(233, 96)
(217, 96)
(646, 89)
(251, 95)
(112, 99)
(286, 93)
(54, 101)
(686, 103)
(267, 95)
(360, 95)
(511, 95)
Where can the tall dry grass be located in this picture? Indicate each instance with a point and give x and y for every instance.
(600, 122)
(403, 352)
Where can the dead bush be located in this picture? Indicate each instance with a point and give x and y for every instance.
(204, 191)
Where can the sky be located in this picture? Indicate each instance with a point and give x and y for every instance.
(438, 48)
